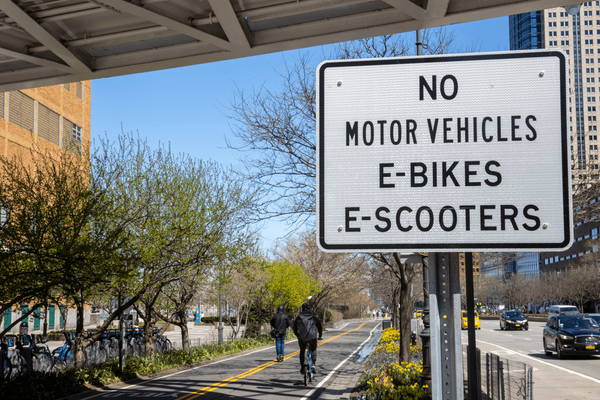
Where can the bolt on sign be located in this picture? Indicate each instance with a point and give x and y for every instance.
(461, 152)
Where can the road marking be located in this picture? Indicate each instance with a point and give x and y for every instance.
(338, 366)
(544, 362)
(259, 368)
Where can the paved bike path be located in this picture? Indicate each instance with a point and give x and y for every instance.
(253, 375)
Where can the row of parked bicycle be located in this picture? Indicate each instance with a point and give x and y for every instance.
(43, 360)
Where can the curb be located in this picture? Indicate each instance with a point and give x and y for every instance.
(344, 382)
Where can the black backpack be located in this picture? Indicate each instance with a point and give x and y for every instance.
(307, 329)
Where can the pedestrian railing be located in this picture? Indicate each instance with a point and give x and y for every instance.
(503, 379)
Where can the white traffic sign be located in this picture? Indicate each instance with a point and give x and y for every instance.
(464, 152)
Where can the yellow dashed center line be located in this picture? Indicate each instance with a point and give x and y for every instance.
(254, 370)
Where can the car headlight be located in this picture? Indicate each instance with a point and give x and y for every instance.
(566, 337)
(523, 322)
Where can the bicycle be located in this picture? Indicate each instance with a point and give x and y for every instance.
(18, 365)
(63, 357)
(96, 352)
(7, 367)
(41, 357)
(308, 368)
(161, 344)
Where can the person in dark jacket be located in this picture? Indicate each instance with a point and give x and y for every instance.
(306, 325)
(280, 322)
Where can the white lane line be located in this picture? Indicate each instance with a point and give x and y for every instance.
(544, 362)
(309, 394)
(341, 327)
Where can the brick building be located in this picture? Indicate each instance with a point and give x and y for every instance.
(52, 118)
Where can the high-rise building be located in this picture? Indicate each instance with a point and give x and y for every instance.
(579, 36)
(526, 31)
(577, 32)
(51, 118)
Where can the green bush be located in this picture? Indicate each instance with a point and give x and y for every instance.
(49, 386)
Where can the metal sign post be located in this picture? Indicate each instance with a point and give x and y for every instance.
(445, 310)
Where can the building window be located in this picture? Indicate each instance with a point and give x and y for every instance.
(2, 105)
(21, 110)
(48, 124)
(72, 136)
(3, 216)
(67, 86)
(593, 147)
(79, 90)
(594, 233)
(76, 133)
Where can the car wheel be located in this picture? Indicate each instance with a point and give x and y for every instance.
(501, 327)
(548, 352)
(527, 328)
(559, 353)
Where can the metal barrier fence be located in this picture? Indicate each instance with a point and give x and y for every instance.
(503, 379)
(212, 338)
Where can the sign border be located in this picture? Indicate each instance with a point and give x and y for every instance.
(566, 168)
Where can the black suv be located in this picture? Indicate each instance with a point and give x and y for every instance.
(571, 334)
(513, 320)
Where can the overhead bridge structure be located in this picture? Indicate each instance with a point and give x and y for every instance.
(48, 42)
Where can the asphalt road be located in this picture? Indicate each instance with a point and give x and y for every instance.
(575, 378)
(255, 375)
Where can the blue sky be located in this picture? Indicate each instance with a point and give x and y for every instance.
(187, 106)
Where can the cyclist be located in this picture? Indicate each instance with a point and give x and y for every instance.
(305, 327)
(280, 322)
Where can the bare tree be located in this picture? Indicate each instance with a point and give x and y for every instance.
(274, 129)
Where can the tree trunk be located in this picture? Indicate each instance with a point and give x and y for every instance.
(406, 278)
(405, 319)
(185, 334)
(395, 311)
(148, 332)
(246, 323)
(80, 343)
